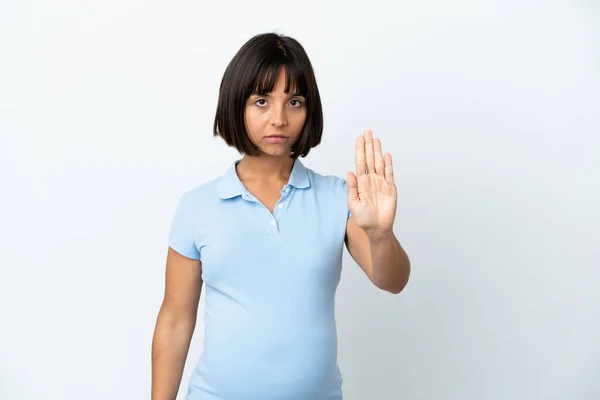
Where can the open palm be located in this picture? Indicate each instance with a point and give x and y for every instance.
(372, 196)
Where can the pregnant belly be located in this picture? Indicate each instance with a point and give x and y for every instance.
(270, 361)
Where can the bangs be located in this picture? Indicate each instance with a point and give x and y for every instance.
(266, 77)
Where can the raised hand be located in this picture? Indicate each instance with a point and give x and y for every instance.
(372, 196)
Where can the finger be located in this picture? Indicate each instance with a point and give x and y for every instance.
(361, 166)
(389, 169)
(369, 152)
(379, 163)
(352, 186)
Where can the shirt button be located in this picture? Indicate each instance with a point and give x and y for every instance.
(287, 190)
(280, 206)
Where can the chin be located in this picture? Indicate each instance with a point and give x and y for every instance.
(276, 152)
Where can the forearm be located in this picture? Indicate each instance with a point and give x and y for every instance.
(170, 347)
(390, 263)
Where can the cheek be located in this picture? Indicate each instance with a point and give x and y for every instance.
(300, 120)
(253, 120)
(256, 115)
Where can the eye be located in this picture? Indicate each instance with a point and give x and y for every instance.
(296, 103)
(260, 102)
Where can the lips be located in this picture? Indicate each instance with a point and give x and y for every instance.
(276, 138)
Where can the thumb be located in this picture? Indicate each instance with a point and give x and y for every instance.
(352, 186)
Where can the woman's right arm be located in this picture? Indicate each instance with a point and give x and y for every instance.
(175, 324)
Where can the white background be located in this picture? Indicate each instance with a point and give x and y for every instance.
(491, 110)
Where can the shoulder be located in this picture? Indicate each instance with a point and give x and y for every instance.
(331, 189)
(327, 183)
(332, 192)
(198, 198)
(200, 192)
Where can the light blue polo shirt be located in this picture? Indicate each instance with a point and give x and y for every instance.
(270, 282)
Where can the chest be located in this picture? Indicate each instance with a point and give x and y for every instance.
(267, 195)
(299, 245)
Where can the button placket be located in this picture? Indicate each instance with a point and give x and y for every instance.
(273, 228)
(278, 210)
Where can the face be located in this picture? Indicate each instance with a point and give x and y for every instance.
(275, 120)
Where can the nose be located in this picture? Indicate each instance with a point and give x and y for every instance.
(278, 116)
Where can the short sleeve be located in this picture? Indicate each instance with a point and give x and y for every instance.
(345, 185)
(181, 235)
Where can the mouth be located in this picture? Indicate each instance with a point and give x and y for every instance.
(276, 138)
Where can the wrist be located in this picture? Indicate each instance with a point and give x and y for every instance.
(376, 234)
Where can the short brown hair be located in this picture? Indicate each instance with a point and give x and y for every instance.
(253, 69)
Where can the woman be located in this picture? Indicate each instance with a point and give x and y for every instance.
(266, 240)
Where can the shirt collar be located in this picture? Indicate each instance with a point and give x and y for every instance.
(231, 186)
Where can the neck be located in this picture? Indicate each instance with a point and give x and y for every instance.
(265, 168)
